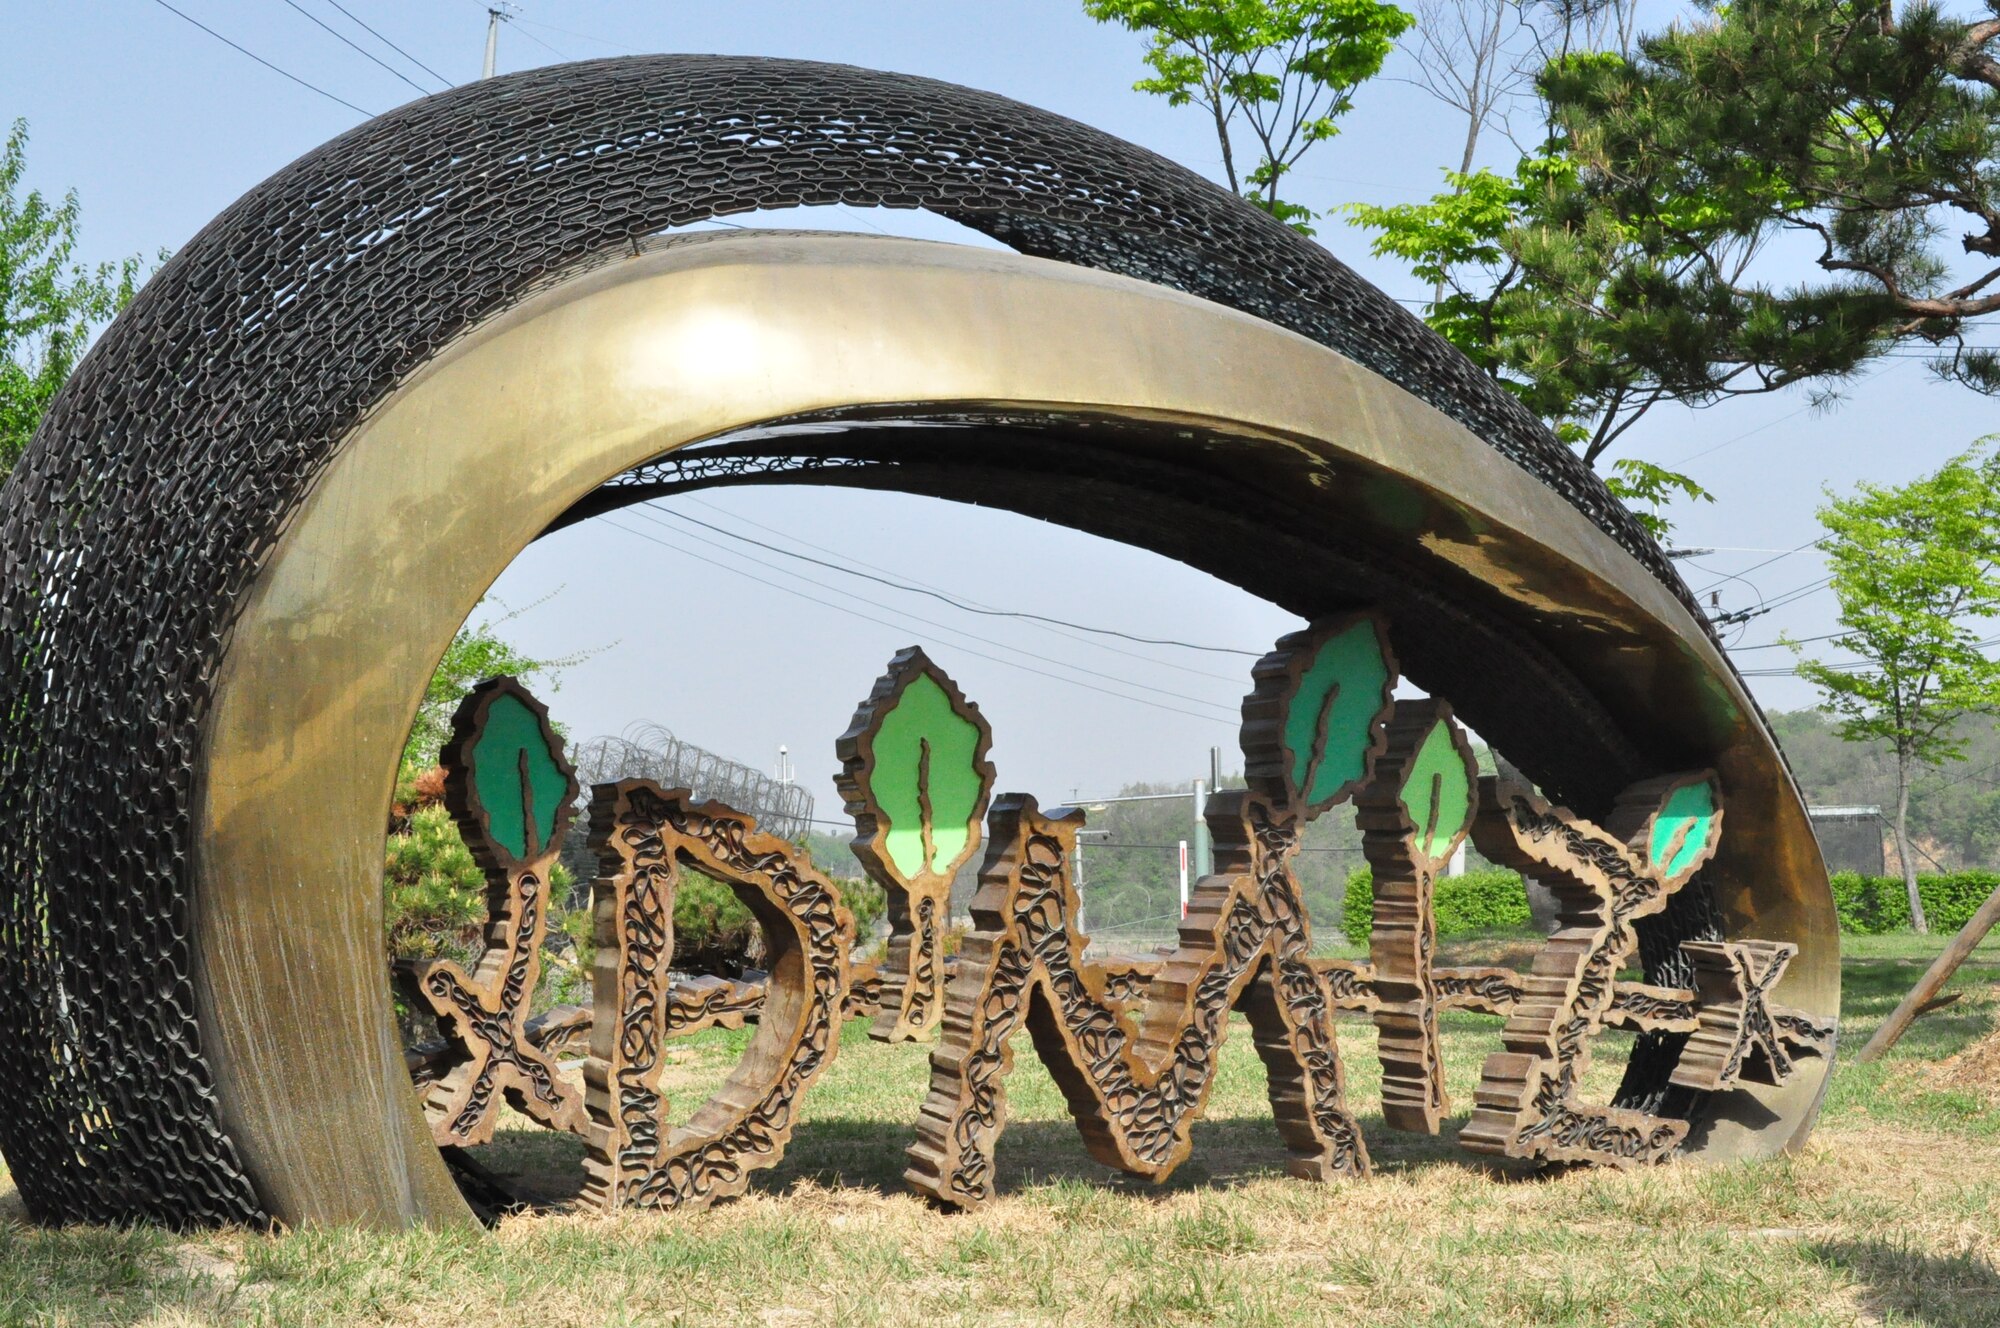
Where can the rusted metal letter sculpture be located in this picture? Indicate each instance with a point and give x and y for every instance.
(644, 835)
(510, 788)
(1413, 816)
(916, 779)
(1312, 727)
(1660, 834)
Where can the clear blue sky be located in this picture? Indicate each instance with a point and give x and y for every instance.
(159, 126)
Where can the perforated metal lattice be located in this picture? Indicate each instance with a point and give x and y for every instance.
(170, 463)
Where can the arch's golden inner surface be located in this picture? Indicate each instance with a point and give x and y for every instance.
(430, 499)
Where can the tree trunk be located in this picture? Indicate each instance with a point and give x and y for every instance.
(1908, 858)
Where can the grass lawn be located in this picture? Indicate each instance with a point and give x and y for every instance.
(1890, 1215)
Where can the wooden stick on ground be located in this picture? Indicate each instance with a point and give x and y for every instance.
(1934, 977)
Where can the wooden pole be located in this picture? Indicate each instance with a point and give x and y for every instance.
(1934, 977)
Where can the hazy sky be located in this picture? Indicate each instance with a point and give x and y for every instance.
(160, 125)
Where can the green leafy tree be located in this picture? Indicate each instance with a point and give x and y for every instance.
(1282, 72)
(1593, 319)
(1631, 260)
(1915, 568)
(475, 654)
(1869, 131)
(50, 305)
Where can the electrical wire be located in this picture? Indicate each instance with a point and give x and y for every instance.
(1779, 557)
(943, 627)
(581, 36)
(560, 55)
(1773, 645)
(961, 605)
(283, 73)
(349, 42)
(1065, 634)
(1770, 424)
(391, 45)
(1799, 593)
(797, 594)
(1851, 665)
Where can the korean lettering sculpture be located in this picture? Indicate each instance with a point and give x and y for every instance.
(223, 588)
(1320, 726)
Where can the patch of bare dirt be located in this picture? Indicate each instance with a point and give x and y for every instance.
(1974, 1071)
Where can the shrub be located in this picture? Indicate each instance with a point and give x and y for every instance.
(1867, 905)
(433, 894)
(715, 933)
(1489, 900)
(1871, 905)
(867, 901)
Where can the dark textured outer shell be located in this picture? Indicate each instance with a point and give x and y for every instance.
(171, 462)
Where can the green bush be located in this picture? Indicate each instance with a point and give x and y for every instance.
(1489, 900)
(1871, 905)
(433, 894)
(1867, 905)
(867, 901)
(715, 933)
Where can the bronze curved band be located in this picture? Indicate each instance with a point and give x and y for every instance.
(695, 340)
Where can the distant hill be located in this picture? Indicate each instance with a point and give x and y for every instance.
(1954, 809)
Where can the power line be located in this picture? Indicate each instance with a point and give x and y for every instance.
(1792, 596)
(1773, 645)
(584, 36)
(1008, 663)
(1065, 634)
(545, 46)
(343, 38)
(391, 45)
(1041, 627)
(959, 604)
(956, 631)
(1779, 556)
(311, 87)
(1768, 424)
(1850, 665)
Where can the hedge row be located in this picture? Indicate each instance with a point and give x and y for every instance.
(1868, 905)
(1489, 900)
(1871, 905)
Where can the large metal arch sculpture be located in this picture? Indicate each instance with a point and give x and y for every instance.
(204, 683)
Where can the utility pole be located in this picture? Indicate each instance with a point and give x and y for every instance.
(1184, 880)
(1204, 849)
(501, 12)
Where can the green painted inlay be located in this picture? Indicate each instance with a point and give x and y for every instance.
(1690, 808)
(925, 752)
(1438, 792)
(512, 729)
(1327, 724)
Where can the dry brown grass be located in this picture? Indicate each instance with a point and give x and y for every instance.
(1888, 1216)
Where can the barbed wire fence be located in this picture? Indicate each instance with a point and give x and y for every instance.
(651, 751)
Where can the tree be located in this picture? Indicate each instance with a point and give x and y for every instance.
(1468, 55)
(50, 305)
(1285, 71)
(1872, 134)
(1631, 260)
(1914, 568)
(1594, 315)
(1567, 309)
(475, 654)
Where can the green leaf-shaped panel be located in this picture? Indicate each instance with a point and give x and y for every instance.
(516, 773)
(1438, 791)
(1329, 721)
(1683, 830)
(926, 772)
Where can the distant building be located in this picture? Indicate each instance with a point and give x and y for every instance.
(1850, 838)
